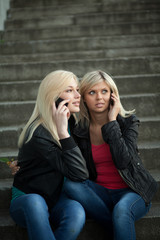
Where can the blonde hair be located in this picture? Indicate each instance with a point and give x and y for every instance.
(49, 90)
(87, 82)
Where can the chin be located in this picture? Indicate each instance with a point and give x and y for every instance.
(75, 109)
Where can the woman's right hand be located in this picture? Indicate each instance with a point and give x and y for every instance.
(14, 167)
(61, 116)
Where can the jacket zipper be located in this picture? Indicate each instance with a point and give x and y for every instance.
(130, 184)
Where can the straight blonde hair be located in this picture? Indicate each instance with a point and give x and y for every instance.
(49, 90)
(87, 82)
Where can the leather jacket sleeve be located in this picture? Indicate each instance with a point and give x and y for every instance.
(122, 142)
(68, 160)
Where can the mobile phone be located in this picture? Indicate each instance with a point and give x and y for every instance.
(111, 101)
(58, 102)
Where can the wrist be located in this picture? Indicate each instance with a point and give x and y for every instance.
(63, 135)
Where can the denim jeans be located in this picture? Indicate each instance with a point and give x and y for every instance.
(117, 210)
(31, 211)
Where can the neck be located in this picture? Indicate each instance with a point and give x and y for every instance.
(98, 119)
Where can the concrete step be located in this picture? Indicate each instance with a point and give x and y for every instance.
(139, 102)
(16, 91)
(27, 90)
(9, 137)
(80, 31)
(122, 5)
(9, 154)
(146, 228)
(47, 12)
(13, 110)
(92, 19)
(120, 66)
(144, 84)
(19, 91)
(149, 153)
(25, 12)
(149, 130)
(113, 17)
(109, 44)
(84, 55)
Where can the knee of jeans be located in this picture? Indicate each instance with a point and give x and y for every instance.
(78, 213)
(35, 202)
(120, 211)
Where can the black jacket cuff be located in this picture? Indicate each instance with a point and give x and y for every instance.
(68, 143)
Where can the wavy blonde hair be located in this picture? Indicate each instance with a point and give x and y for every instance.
(87, 82)
(49, 90)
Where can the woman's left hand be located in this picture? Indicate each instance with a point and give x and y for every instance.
(14, 167)
(114, 108)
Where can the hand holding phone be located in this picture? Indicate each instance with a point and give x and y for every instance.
(58, 102)
(61, 119)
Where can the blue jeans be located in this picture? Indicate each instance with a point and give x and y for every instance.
(31, 211)
(117, 210)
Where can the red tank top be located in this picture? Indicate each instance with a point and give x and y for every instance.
(107, 174)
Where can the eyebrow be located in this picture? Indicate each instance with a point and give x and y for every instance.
(92, 89)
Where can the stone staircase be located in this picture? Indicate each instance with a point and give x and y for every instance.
(120, 37)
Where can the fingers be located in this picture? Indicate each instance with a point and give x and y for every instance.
(61, 107)
(14, 168)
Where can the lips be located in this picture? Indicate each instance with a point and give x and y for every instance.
(76, 104)
(99, 104)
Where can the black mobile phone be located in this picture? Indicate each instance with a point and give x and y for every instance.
(111, 101)
(58, 102)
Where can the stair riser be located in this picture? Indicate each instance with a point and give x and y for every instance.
(79, 31)
(5, 170)
(11, 112)
(80, 44)
(98, 19)
(91, 231)
(93, 54)
(122, 5)
(150, 157)
(121, 66)
(15, 114)
(87, 55)
(16, 91)
(143, 103)
(148, 131)
(144, 84)
(108, 47)
(47, 12)
(82, 20)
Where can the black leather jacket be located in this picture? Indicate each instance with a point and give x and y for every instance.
(43, 165)
(121, 135)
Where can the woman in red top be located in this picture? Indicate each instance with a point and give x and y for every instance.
(121, 189)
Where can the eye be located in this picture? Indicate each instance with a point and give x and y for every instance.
(91, 92)
(69, 90)
(77, 89)
(104, 91)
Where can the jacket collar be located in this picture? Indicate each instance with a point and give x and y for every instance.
(84, 132)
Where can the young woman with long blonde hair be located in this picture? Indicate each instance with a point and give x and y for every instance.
(120, 189)
(47, 154)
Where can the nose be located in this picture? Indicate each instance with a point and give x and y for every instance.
(77, 94)
(99, 95)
